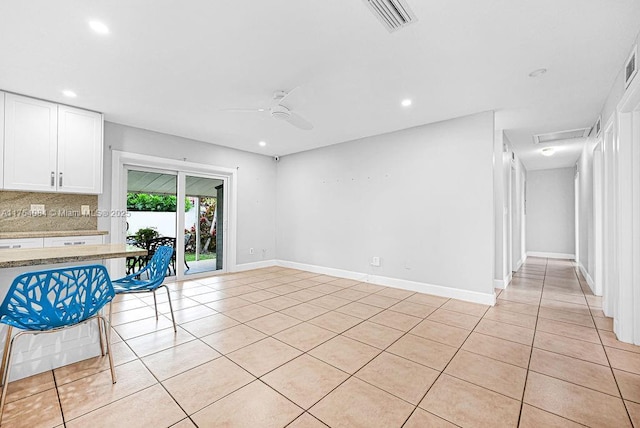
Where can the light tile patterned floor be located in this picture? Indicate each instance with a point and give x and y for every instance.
(277, 347)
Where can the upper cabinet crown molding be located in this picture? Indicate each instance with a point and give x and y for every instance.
(51, 148)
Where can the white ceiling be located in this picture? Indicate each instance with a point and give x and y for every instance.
(171, 66)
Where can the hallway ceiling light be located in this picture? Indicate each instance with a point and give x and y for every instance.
(548, 151)
(68, 93)
(537, 73)
(262, 143)
(99, 27)
(406, 102)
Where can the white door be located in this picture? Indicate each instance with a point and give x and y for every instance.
(30, 144)
(79, 151)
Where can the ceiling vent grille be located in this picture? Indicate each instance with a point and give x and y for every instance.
(394, 14)
(561, 136)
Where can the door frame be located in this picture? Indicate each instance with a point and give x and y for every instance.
(598, 222)
(118, 217)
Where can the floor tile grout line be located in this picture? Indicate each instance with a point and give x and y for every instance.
(615, 379)
(55, 384)
(535, 330)
(441, 372)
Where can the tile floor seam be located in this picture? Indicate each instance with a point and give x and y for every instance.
(55, 385)
(526, 378)
(615, 379)
(214, 401)
(108, 404)
(441, 372)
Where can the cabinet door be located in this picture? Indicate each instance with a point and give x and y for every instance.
(79, 151)
(15, 244)
(1, 140)
(30, 144)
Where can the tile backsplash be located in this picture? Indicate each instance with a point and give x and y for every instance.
(61, 212)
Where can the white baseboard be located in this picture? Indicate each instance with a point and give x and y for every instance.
(503, 283)
(421, 287)
(519, 264)
(586, 275)
(254, 265)
(551, 255)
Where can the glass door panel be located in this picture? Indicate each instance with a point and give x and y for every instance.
(203, 225)
(152, 214)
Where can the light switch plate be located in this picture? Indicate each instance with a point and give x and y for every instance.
(85, 210)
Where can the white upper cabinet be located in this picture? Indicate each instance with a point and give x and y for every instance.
(31, 133)
(79, 151)
(51, 148)
(1, 140)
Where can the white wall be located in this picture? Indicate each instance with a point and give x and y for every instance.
(550, 211)
(421, 199)
(256, 181)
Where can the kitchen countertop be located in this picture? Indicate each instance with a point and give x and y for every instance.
(51, 234)
(43, 256)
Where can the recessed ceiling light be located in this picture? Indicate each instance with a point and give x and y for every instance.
(262, 143)
(99, 27)
(406, 102)
(548, 151)
(68, 93)
(537, 73)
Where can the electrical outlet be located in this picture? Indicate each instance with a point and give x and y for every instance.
(251, 251)
(85, 210)
(37, 210)
(375, 261)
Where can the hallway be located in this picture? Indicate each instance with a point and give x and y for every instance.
(278, 347)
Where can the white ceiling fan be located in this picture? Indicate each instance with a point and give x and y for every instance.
(279, 111)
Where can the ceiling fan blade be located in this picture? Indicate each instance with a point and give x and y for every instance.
(299, 122)
(244, 110)
(286, 94)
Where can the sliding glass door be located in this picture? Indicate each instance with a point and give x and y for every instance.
(181, 210)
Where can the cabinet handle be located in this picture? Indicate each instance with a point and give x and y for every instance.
(5, 246)
(60, 183)
(53, 178)
(17, 246)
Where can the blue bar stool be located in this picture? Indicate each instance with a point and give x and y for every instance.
(51, 300)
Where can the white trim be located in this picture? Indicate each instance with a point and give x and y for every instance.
(551, 255)
(519, 264)
(118, 196)
(586, 275)
(420, 287)
(255, 265)
(503, 283)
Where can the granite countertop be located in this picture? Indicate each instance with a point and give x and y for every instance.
(51, 234)
(79, 253)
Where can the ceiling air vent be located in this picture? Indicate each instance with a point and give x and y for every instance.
(551, 137)
(394, 14)
(631, 67)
